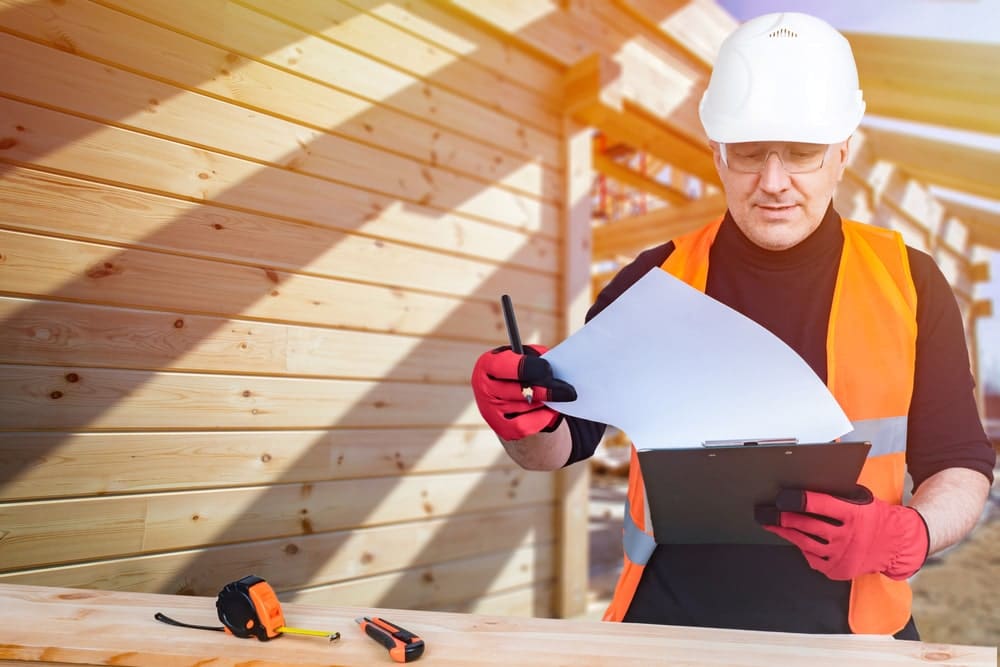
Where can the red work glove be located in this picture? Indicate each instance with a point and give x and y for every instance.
(498, 381)
(847, 537)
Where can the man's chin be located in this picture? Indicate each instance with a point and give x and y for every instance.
(776, 235)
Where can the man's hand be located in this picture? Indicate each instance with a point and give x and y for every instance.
(847, 537)
(498, 380)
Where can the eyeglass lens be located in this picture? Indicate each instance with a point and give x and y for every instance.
(797, 158)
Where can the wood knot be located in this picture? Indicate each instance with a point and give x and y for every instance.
(937, 656)
(178, 323)
(56, 394)
(76, 596)
(291, 549)
(367, 557)
(72, 377)
(265, 458)
(103, 270)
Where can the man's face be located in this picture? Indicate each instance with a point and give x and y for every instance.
(775, 209)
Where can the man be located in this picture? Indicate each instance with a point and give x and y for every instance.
(876, 320)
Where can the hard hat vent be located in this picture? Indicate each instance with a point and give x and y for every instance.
(783, 32)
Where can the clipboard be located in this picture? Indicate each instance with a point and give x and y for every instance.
(707, 494)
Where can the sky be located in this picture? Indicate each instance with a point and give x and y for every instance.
(960, 20)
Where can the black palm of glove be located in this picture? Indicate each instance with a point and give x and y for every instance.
(499, 382)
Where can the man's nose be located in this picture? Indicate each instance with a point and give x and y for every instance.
(773, 177)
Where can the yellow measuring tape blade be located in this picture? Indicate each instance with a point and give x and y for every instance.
(312, 633)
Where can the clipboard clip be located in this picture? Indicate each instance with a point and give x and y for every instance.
(749, 442)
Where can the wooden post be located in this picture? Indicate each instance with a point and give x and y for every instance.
(573, 483)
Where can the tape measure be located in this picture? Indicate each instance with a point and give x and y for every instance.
(247, 608)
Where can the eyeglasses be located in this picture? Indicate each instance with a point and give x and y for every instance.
(749, 157)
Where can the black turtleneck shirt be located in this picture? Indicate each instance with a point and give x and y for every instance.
(789, 292)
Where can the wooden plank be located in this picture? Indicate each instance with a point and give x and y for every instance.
(52, 624)
(59, 465)
(454, 585)
(38, 533)
(308, 560)
(950, 83)
(347, 26)
(69, 399)
(37, 200)
(61, 334)
(631, 235)
(542, 25)
(133, 45)
(70, 270)
(436, 25)
(58, 205)
(69, 83)
(66, 143)
(255, 36)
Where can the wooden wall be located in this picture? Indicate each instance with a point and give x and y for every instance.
(249, 252)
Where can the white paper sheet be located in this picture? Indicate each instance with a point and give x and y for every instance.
(673, 367)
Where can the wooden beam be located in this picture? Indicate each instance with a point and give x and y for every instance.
(950, 83)
(696, 29)
(632, 235)
(961, 167)
(594, 94)
(626, 176)
(979, 272)
(984, 225)
(981, 308)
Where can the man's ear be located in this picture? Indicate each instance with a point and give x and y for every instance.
(716, 155)
(843, 152)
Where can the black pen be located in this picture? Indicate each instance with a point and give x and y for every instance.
(515, 338)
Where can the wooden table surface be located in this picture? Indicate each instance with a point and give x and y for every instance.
(59, 626)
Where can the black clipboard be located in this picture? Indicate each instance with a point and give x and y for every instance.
(707, 494)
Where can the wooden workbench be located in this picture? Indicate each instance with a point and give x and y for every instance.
(59, 626)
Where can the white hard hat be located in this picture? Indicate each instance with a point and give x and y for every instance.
(783, 77)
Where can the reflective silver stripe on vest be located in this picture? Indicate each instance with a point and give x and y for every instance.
(888, 436)
(638, 544)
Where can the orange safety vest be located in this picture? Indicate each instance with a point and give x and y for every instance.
(872, 334)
